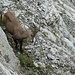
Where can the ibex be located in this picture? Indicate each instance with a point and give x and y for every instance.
(13, 27)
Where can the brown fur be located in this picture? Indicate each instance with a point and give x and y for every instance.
(13, 26)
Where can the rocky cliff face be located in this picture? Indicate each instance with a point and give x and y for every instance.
(9, 64)
(54, 44)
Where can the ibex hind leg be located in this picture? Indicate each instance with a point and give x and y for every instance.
(16, 42)
(20, 41)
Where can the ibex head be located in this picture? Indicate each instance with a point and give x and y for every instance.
(35, 31)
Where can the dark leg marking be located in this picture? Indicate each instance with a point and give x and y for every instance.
(16, 46)
(20, 41)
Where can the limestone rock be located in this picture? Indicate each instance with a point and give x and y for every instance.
(9, 63)
(56, 38)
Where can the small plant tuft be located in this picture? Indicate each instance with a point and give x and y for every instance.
(22, 62)
(45, 33)
(35, 73)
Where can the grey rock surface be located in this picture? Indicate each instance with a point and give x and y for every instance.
(56, 38)
(9, 63)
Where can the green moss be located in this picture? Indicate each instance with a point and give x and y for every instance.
(57, 19)
(28, 13)
(0, 12)
(43, 25)
(25, 60)
(25, 53)
(19, 21)
(19, 3)
(21, 58)
(45, 33)
(50, 67)
(35, 73)
(15, 1)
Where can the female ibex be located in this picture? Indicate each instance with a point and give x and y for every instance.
(13, 27)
